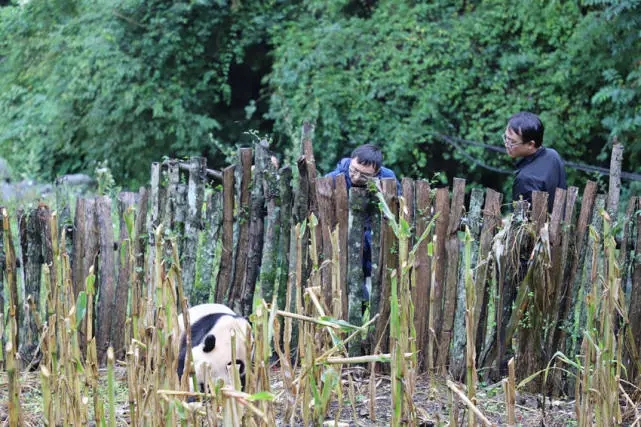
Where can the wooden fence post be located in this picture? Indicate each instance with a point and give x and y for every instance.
(326, 222)
(241, 249)
(193, 224)
(341, 198)
(284, 244)
(452, 250)
(442, 209)
(491, 221)
(358, 201)
(35, 240)
(459, 338)
(423, 269)
(210, 260)
(225, 272)
(107, 281)
(85, 251)
(614, 190)
(266, 227)
(635, 303)
(126, 201)
(3, 268)
(388, 263)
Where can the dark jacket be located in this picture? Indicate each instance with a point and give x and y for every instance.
(343, 168)
(541, 171)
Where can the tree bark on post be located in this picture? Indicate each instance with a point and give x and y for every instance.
(35, 240)
(3, 267)
(461, 319)
(358, 201)
(286, 198)
(423, 268)
(326, 222)
(139, 292)
(257, 229)
(635, 297)
(193, 223)
(442, 209)
(155, 195)
(267, 202)
(213, 219)
(491, 220)
(241, 249)
(389, 262)
(85, 252)
(106, 267)
(126, 202)
(581, 239)
(227, 242)
(615, 178)
(341, 198)
(11, 282)
(452, 250)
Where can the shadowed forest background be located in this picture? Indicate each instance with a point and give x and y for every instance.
(127, 82)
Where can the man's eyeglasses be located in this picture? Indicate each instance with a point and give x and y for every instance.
(510, 142)
(355, 172)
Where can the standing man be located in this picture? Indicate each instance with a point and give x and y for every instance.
(538, 168)
(365, 164)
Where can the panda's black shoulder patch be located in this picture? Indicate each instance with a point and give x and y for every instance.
(199, 331)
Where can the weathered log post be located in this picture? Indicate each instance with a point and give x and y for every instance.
(227, 239)
(139, 280)
(193, 224)
(389, 263)
(341, 198)
(210, 260)
(635, 302)
(241, 249)
(491, 221)
(442, 209)
(105, 306)
(35, 240)
(3, 267)
(358, 211)
(85, 251)
(578, 256)
(326, 222)
(459, 338)
(584, 273)
(11, 281)
(614, 190)
(422, 269)
(156, 196)
(268, 226)
(286, 199)
(126, 202)
(531, 317)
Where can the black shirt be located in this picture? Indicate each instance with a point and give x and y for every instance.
(541, 171)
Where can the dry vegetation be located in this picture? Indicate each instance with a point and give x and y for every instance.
(324, 384)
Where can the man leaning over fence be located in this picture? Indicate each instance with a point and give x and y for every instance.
(538, 168)
(365, 164)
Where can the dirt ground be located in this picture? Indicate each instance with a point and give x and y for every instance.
(433, 403)
(432, 399)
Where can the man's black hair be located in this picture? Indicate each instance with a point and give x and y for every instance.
(368, 155)
(528, 126)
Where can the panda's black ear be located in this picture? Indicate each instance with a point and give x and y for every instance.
(209, 343)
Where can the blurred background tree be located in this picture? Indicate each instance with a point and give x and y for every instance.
(132, 81)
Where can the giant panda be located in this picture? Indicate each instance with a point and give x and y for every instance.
(211, 326)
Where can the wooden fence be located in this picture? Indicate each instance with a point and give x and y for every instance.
(250, 229)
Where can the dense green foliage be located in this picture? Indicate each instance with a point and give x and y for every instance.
(130, 82)
(402, 74)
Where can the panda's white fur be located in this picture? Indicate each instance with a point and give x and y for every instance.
(211, 327)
